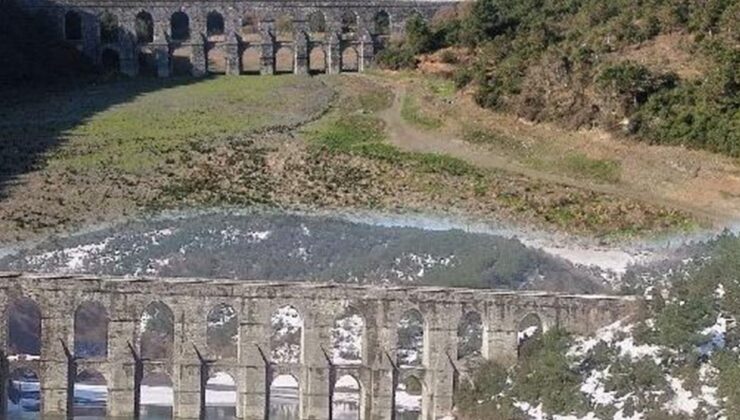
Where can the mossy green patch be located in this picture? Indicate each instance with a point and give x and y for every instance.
(135, 135)
(412, 113)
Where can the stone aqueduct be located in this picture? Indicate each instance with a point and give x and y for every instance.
(232, 37)
(124, 299)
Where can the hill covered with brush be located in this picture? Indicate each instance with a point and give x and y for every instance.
(662, 71)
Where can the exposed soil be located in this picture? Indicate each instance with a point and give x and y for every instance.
(704, 184)
(274, 164)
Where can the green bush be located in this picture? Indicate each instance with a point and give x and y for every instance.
(396, 57)
(511, 37)
(547, 377)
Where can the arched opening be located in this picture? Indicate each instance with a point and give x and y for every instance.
(349, 22)
(214, 24)
(250, 28)
(470, 336)
(220, 397)
(147, 63)
(156, 397)
(410, 351)
(179, 26)
(382, 23)
(284, 398)
(251, 60)
(72, 26)
(181, 64)
(286, 338)
(23, 395)
(90, 395)
(157, 332)
(108, 28)
(284, 28)
(216, 59)
(144, 28)
(346, 337)
(284, 60)
(346, 401)
(529, 330)
(24, 329)
(91, 331)
(110, 61)
(222, 332)
(350, 59)
(317, 60)
(316, 23)
(408, 399)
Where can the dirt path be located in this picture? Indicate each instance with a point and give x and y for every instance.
(698, 201)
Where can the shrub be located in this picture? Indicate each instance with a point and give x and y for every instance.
(546, 376)
(396, 57)
(448, 57)
(633, 83)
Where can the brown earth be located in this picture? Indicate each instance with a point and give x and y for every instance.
(701, 183)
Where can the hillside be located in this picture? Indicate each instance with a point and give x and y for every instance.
(678, 359)
(664, 72)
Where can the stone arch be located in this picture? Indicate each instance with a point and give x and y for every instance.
(144, 27)
(347, 401)
(285, 27)
(214, 23)
(347, 337)
(108, 28)
(156, 396)
(285, 400)
(23, 317)
(382, 23)
(72, 26)
(350, 59)
(216, 58)
(23, 393)
(181, 60)
(91, 331)
(221, 396)
(157, 332)
(470, 335)
(179, 26)
(407, 398)
(284, 59)
(530, 328)
(411, 339)
(286, 338)
(110, 60)
(316, 22)
(147, 61)
(90, 394)
(250, 27)
(317, 60)
(348, 22)
(251, 60)
(222, 332)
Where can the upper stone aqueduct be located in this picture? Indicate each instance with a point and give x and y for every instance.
(54, 307)
(163, 37)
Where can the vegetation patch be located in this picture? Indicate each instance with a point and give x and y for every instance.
(549, 60)
(483, 136)
(414, 114)
(601, 170)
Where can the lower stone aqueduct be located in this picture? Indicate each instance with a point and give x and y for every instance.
(59, 300)
(263, 37)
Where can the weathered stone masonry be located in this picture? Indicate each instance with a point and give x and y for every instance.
(191, 299)
(340, 46)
